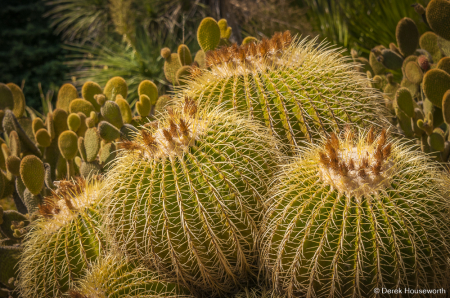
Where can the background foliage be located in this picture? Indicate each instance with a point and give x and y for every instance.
(29, 50)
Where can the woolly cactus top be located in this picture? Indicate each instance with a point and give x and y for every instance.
(269, 53)
(171, 135)
(358, 169)
(67, 201)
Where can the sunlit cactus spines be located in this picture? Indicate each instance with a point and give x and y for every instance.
(61, 244)
(188, 196)
(114, 276)
(297, 88)
(357, 213)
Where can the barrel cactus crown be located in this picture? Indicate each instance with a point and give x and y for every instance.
(188, 196)
(61, 244)
(355, 214)
(113, 276)
(296, 87)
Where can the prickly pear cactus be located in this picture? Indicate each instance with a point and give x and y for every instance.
(294, 87)
(114, 276)
(188, 196)
(60, 245)
(354, 214)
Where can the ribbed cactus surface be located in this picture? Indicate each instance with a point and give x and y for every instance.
(295, 87)
(113, 276)
(188, 196)
(59, 246)
(355, 214)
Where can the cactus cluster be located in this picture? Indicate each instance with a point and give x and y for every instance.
(78, 138)
(260, 179)
(417, 99)
(296, 88)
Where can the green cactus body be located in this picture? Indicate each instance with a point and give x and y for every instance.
(89, 169)
(149, 89)
(32, 173)
(73, 122)
(444, 64)
(108, 131)
(2, 188)
(115, 86)
(192, 190)
(184, 54)
(125, 109)
(208, 34)
(107, 154)
(91, 144)
(114, 277)
(6, 97)
(111, 113)
(61, 168)
(60, 121)
(163, 102)
(14, 143)
(429, 42)
(444, 45)
(437, 140)
(407, 36)
(60, 245)
(200, 58)
(66, 94)
(183, 74)
(446, 107)
(19, 100)
(413, 72)
(171, 66)
(297, 89)
(435, 83)
(437, 17)
(10, 123)
(37, 124)
(89, 90)
(81, 148)
(43, 138)
(143, 106)
(13, 165)
(249, 39)
(391, 60)
(83, 126)
(68, 144)
(81, 105)
(9, 257)
(357, 214)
